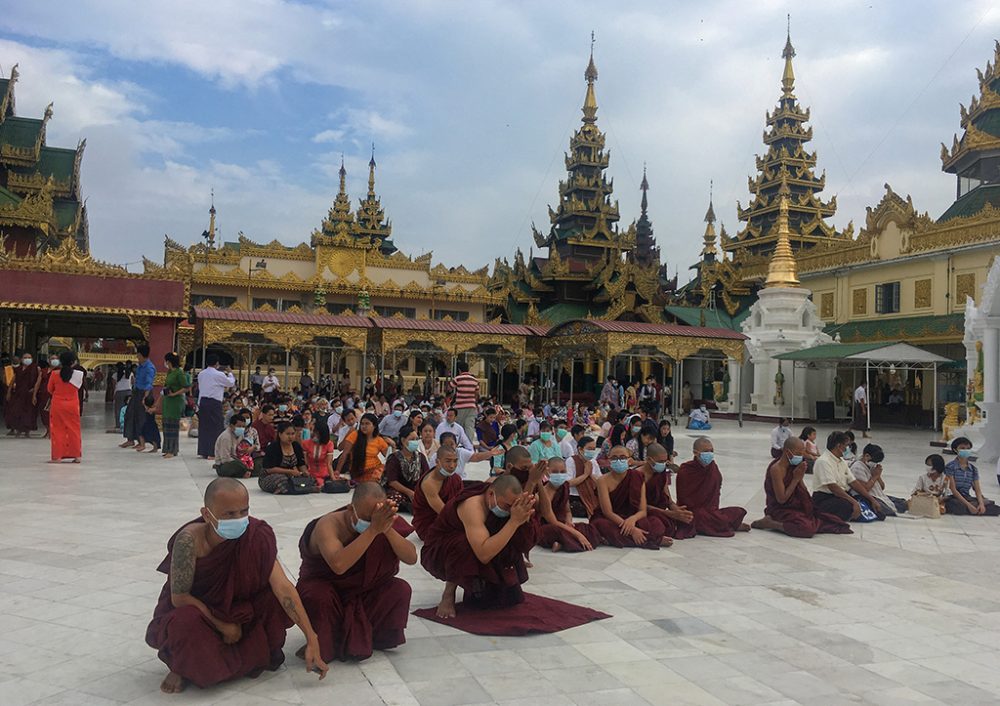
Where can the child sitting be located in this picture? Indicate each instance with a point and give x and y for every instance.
(933, 484)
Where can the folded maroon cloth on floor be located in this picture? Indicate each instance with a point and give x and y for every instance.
(536, 614)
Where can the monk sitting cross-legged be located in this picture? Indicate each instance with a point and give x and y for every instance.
(434, 489)
(226, 605)
(699, 486)
(676, 519)
(558, 531)
(789, 505)
(478, 542)
(348, 583)
(621, 519)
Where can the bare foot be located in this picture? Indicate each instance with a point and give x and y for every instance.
(154, 450)
(172, 684)
(446, 608)
(767, 523)
(140, 448)
(743, 528)
(168, 455)
(126, 445)
(556, 546)
(666, 541)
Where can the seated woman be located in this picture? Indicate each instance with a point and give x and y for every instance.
(545, 446)
(811, 452)
(361, 451)
(699, 419)
(666, 440)
(967, 496)
(932, 484)
(648, 433)
(403, 470)
(868, 470)
(319, 452)
(429, 445)
(616, 437)
(284, 467)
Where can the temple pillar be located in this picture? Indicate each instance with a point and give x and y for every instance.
(645, 365)
(600, 371)
(991, 361)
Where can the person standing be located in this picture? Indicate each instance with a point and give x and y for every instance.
(122, 380)
(270, 386)
(466, 388)
(64, 410)
(175, 389)
(256, 382)
(212, 386)
(861, 410)
(41, 398)
(305, 385)
(22, 411)
(135, 412)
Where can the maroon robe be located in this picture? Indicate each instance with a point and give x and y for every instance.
(43, 397)
(233, 581)
(550, 534)
(447, 556)
(656, 496)
(797, 514)
(625, 501)
(698, 489)
(361, 610)
(423, 513)
(20, 413)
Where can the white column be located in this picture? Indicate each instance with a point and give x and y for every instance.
(991, 361)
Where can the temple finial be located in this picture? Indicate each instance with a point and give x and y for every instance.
(644, 187)
(590, 101)
(371, 174)
(788, 76)
(708, 240)
(710, 213)
(343, 175)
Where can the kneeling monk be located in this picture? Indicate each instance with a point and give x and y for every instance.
(434, 489)
(676, 519)
(226, 605)
(348, 584)
(789, 505)
(478, 542)
(558, 531)
(699, 486)
(621, 519)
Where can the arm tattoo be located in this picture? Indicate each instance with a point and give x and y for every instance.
(182, 562)
(289, 605)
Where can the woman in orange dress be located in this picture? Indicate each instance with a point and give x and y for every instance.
(64, 409)
(359, 459)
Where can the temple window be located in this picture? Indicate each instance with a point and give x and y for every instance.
(887, 298)
(453, 315)
(407, 312)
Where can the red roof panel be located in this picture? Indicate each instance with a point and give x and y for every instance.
(452, 326)
(281, 317)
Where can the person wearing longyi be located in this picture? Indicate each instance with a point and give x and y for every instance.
(434, 489)
(699, 486)
(621, 518)
(227, 602)
(478, 542)
(789, 507)
(348, 582)
(677, 520)
(558, 531)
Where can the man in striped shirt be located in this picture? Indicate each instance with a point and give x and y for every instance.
(466, 389)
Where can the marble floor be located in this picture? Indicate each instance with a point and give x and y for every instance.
(906, 611)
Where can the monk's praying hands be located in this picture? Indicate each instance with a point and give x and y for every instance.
(522, 509)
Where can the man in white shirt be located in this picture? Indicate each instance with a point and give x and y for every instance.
(861, 410)
(391, 423)
(271, 385)
(779, 435)
(448, 440)
(212, 386)
(833, 482)
(450, 424)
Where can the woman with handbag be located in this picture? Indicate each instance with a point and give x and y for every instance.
(284, 468)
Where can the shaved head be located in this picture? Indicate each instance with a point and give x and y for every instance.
(619, 452)
(447, 452)
(556, 464)
(365, 491)
(702, 443)
(656, 451)
(517, 454)
(794, 445)
(507, 484)
(221, 486)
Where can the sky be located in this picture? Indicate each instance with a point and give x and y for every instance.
(471, 104)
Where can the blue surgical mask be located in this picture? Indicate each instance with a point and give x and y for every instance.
(706, 457)
(590, 454)
(659, 466)
(360, 525)
(413, 445)
(54, 363)
(619, 465)
(545, 436)
(561, 434)
(636, 429)
(306, 434)
(282, 407)
(794, 460)
(339, 409)
(238, 432)
(445, 473)
(397, 413)
(230, 529)
(557, 479)
(964, 453)
(499, 511)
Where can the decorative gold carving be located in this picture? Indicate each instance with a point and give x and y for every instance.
(284, 335)
(922, 294)
(826, 305)
(859, 302)
(141, 323)
(965, 286)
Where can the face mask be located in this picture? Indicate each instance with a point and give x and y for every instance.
(500, 512)
(590, 454)
(659, 466)
(282, 407)
(338, 409)
(702, 409)
(636, 430)
(619, 465)
(413, 445)
(231, 529)
(306, 434)
(360, 525)
(445, 473)
(26, 361)
(962, 453)
(238, 432)
(795, 460)
(397, 413)
(557, 479)
(545, 436)
(54, 362)
(561, 434)
(706, 457)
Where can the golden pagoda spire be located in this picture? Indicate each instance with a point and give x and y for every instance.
(343, 177)
(709, 239)
(210, 233)
(371, 174)
(590, 101)
(644, 187)
(788, 76)
(781, 271)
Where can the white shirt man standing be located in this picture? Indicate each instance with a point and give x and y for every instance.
(861, 410)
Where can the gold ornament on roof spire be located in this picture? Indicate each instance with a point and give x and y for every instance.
(709, 239)
(781, 272)
(590, 101)
(788, 76)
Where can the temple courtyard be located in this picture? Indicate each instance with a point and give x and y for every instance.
(905, 611)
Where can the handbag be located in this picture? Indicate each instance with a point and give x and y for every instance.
(301, 485)
(336, 486)
(924, 506)
(867, 514)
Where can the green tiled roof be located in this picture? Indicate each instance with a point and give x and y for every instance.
(989, 122)
(565, 311)
(20, 132)
(713, 318)
(973, 202)
(830, 351)
(906, 328)
(56, 162)
(65, 213)
(8, 198)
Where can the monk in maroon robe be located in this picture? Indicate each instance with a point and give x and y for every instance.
(434, 489)
(478, 542)
(224, 609)
(676, 519)
(789, 506)
(558, 531)
(348, 584)
(622, 519)
(21, 407)
(699, 486)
